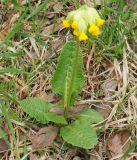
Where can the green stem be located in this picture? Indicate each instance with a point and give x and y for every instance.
(75, 63)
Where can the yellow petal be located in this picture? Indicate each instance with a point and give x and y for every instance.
(66, 23)
(83, 37)
(94, 30)
(97, 32)
(74, 25)
(100, 22)
(76, 33)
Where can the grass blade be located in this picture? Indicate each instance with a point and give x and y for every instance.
(15, 29)
(4, 137)
(17, 5)
(12, 70)
(129, 150)
(38, 9)
(7, 117)
(10, 54)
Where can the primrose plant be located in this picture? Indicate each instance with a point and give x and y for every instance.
(68, 81)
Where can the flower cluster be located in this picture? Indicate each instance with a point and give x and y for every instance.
(83, 21)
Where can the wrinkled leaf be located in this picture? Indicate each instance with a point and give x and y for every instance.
(80, 135)
(56, 118)
(90, 116)
(36, 108)
(39, 109)
(68, 78)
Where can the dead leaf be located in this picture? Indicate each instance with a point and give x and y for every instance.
(14, 18)
(6, 27)
(33, 156)
(94, 155)
(44, 95)
(49, 96)
(59, 111)
(72, 112)
(57, 44)
(109, 87)
(44, 137)
(52, 3)
(91, 3)
(4, 32)
(76, 153)
(50, 16)
(1, 5)
(128, 1)
(3, 145)
(103, 108)
(27, 27)
(58, 7)
(52, 28)
(118, 142)
(23, 90)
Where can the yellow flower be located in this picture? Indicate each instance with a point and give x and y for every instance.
(83, 37)
(74, 25)
(76, 33)
(94, 30)
(66, 23)
(100, 22)
(80, 21)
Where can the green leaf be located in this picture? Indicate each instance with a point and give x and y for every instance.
(68, 78)
(90, 116)
(36, 108)
(39, 109)
(80, 135)
(55, 118)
